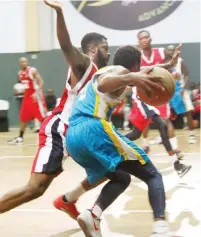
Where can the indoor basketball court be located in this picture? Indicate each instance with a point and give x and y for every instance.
(129, 216)
(40, 42)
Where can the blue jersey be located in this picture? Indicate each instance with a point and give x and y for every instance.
(92, 103)
(91, 140)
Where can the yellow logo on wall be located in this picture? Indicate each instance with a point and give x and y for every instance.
(127, 14)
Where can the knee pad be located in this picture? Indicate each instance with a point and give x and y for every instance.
(126, 178)
(121, 177)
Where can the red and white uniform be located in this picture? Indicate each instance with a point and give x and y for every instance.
(141, 113)
(31, 108)
(157, 57)
(49, 158)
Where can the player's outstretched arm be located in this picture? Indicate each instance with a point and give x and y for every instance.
(184, 70)
(173, 61)
(77, 61)
(117, 79)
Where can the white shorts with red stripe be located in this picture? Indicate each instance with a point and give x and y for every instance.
(51, 151)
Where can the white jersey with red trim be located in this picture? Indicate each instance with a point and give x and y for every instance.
(63, 110)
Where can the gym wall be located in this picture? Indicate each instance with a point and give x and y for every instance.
(29, 30)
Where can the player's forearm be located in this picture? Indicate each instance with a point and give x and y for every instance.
(62, 33)
(186, 79)
(41, 84)
(166, 66)
(114, 83)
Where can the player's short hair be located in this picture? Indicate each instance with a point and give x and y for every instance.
(127, 56)
(91, 38)
(143, 31)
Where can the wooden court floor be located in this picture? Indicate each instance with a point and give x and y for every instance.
(129, 216)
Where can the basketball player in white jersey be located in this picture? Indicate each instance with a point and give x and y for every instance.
(184, 106)
(49, 158)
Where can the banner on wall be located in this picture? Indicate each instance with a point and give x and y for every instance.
(168, 21)
(139, 14)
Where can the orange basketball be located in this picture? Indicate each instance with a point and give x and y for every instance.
(159, 97)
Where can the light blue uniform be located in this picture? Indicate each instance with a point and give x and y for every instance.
(180, 104)
(177, 102)
(91, 140)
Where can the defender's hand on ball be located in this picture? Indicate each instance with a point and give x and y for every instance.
(54, 4)
(147, 82)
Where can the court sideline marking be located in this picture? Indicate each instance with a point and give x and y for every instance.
(153, 154)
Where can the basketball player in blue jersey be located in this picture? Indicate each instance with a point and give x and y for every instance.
(103, 152)
(181, 101)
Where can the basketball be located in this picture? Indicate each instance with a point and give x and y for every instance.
(159, 97)
(19, 87)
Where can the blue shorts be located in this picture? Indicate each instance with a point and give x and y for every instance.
(181, 104)
(98, 147)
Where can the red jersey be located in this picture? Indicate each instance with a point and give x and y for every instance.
(157, 57)
(68, 97)
(26, 78)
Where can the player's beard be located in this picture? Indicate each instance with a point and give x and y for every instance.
(102, 61)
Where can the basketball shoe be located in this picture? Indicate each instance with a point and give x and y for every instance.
(191, 139)
(67, 207)
(16, 141)
(89, 224)
(161, 230)
(181, 169)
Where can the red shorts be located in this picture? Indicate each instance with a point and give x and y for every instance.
(31, 109)
(141, 114)
(164, 111)
(51, 151)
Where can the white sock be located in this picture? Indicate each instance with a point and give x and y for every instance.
(160, 226)
(191, 132)
(96, 210)
(145, 142)
(74, 194)
(174, 143)
(185, 120)
(174, 158)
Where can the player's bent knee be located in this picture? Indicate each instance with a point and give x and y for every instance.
(127, 179)
(123, 178)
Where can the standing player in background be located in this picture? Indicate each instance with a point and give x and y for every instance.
(33, 104)
(181, 101)
(150, 57)
(49, 159)
(142, 114)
